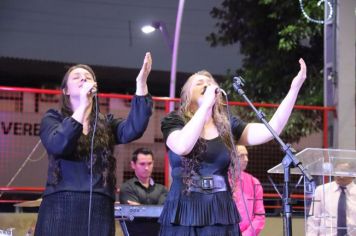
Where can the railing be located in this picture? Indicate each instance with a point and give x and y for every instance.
(166, 104)
(272, 201)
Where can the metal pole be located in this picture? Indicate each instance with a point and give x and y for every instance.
(172, 83)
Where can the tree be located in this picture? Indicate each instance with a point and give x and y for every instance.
(272, 36)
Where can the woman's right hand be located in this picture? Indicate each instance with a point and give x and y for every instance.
(87, 93)
(209, 97)
(88, 89)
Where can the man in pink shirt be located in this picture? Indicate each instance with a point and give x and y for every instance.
(253, 218)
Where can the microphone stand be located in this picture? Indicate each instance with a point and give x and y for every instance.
(289, 161)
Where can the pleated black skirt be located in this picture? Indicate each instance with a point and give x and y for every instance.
(199, 214)
(66, 213)
(209, 230)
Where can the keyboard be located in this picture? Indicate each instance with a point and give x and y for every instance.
(130, 211)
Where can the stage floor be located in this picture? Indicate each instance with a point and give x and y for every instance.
(24, 222)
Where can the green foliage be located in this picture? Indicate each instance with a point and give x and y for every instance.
(272, 36)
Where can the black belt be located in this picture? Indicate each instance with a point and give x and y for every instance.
(208, 184)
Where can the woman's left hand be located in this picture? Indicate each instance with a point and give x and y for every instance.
(141, 80)
(257, 133)
(301, 76)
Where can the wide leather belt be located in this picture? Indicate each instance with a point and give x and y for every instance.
(208, 184)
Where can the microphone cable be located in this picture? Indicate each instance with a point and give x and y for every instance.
(234, 152)
(91, 161)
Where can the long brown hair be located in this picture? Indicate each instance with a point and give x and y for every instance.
(191, 162)
(103, 159)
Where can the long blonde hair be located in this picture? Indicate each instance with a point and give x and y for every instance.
(220, 119)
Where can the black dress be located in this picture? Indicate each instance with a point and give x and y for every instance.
(212, 214)
(65, 206)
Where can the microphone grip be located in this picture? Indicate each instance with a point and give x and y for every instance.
(217, 90)
(93, 91)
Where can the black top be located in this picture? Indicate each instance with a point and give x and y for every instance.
(133, 190)
(200, 209)
(60, 134)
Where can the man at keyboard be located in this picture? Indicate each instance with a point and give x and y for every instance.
(141, 189)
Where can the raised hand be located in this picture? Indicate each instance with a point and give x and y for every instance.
(301, 76)
(141, 80)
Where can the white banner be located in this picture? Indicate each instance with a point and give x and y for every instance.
(19, 137)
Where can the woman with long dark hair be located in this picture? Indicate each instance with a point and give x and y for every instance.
(201, 157)
(80, 190)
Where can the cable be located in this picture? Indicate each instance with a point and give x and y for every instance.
(40, 158)
(27, 159)
(234, 152)
(91, 163)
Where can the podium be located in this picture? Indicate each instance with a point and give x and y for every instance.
(321, 196)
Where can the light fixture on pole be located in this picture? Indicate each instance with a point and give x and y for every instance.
(161, 26)
(173, 46)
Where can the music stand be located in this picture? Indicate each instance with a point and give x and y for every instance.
(322, 164)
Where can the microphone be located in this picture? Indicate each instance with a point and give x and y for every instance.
(217, 90)
(237, 83)
(93, 91)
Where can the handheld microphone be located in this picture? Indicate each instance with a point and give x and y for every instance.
(93, 91)
(217, 90)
